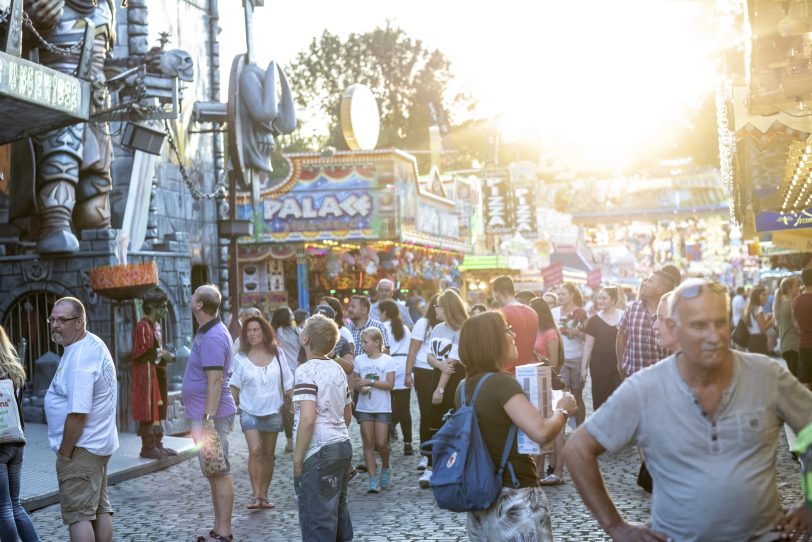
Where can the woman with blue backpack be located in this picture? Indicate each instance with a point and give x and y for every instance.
(520, 510)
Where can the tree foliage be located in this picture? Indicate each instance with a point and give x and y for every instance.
(407, 79)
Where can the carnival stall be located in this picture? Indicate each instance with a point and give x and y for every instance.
(340, 223)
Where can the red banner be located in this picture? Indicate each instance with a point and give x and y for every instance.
(553, 275)
(593, 278)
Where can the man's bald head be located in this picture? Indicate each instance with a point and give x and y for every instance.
(209, 297)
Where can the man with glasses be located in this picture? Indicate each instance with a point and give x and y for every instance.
(80, 407)
(708, 419)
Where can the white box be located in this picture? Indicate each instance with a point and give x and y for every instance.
(537, 383)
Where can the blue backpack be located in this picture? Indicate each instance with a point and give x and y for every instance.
(464, 477)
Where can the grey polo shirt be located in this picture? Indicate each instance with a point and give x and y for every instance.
(714, 478)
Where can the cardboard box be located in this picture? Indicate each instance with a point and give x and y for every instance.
(537, 383)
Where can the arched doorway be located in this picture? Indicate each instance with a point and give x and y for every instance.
(26, 324)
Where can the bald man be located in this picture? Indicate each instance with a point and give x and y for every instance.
(208, 401)
(386, 290)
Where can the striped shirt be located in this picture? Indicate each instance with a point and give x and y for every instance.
(642, 349)
(356, 333)
(324, 382)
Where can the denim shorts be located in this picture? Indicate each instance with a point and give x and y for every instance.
(272, 423)
(224, 427)
(379, 417)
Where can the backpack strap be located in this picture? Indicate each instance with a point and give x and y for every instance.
(511, 436)
(476, 390)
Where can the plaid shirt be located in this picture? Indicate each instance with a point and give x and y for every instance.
(356, 334)
(642, 349)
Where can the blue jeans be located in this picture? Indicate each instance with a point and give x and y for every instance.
(14, 522)
(321, 490)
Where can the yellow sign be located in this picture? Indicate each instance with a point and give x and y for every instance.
(802, 242)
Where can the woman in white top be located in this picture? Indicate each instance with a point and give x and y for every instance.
(419, 372)
(757, 321)
(260, 380)
(399, 339)
(287, 337)
(445, 358)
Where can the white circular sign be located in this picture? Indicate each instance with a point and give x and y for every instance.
(360, 121)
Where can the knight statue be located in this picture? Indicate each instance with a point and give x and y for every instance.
(73, 181)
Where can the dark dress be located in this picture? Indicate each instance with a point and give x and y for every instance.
(603, 363)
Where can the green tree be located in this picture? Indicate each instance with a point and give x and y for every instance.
(406, 78)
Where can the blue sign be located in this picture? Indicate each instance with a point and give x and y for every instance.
(770, 221)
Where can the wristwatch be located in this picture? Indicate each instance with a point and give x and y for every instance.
(564, 412)
(441, 390)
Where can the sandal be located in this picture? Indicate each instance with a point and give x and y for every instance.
(551, 480)
(221, 538)
(265, 504)
(255, 504)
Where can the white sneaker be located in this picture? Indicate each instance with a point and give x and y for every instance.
(425, 479)
(424, 462)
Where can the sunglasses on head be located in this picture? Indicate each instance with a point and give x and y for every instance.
(693, 290)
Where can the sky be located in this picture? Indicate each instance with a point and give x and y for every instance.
(596, 81)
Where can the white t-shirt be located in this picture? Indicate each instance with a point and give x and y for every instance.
(737, 308)
(260, 392)
(753, 326)
(420, 333)
(346, 334)
(573, 348)
(85, 383)
(399, 351)
(444, 342)
(322, 381)
(376, 400)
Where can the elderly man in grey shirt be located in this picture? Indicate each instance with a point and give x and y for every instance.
(708, 420)
(386, 290)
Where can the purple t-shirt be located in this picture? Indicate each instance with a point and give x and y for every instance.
(211, 349)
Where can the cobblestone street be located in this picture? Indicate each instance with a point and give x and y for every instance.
(174, 504)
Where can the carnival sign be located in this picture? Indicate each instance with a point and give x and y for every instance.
(497, 203)
(593, 278)
(335, 203)
(771, 221)
(553, 275)
(524, 210)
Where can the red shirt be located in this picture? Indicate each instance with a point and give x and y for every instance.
(802, 312)
(525, 324)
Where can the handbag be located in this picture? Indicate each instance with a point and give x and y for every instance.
(287, 403)
(741, 334)
(212, 458)
(11, 429)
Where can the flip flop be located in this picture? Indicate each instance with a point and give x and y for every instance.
(551, 480)
(256, 504)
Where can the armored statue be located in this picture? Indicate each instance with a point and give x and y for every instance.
(73, 181)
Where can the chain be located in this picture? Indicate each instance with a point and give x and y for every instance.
(74, 49)
(219, 191)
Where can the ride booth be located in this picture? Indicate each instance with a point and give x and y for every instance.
(340, 223)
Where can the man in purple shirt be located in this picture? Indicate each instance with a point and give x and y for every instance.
(208, 401)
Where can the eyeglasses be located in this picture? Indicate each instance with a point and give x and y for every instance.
(692, 291)
(60, 320)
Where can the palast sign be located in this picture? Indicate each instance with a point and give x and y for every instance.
(35, 99)
(309, 207)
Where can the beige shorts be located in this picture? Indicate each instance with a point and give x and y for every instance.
(82, 486)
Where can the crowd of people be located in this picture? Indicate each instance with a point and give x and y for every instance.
(663, 374)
